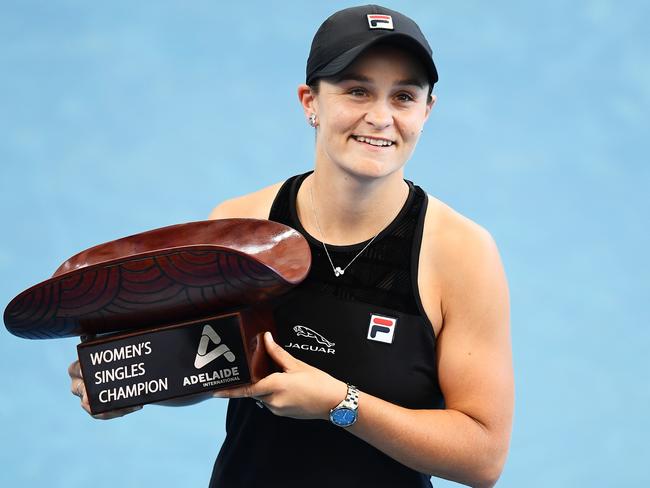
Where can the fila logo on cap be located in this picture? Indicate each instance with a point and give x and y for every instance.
(381, 329)
(379, 21)
(203, 357)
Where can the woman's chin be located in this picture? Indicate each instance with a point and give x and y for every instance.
(372, 169)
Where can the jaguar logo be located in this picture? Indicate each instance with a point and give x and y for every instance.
(326, 346)
(301, 330)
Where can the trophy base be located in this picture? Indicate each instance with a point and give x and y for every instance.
(164, 363)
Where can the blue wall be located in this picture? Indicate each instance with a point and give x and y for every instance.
(118, 117)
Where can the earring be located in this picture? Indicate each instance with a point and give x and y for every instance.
(312, 120)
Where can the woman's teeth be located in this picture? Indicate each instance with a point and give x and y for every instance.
(374, 142)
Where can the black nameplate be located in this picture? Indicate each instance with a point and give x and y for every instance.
(170, 362)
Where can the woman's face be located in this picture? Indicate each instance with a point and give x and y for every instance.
(371, 115)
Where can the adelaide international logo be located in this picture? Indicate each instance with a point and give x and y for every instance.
(203, 357)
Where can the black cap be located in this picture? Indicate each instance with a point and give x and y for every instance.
(349, 32)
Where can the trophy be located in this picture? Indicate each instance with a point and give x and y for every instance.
(174, 312)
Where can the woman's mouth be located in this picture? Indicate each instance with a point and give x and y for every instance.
(374, 141)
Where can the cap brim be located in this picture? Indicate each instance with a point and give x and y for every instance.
(344, 60)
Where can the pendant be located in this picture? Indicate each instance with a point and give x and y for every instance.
(338, 271)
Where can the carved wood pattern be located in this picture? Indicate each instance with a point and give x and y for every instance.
(163, 276)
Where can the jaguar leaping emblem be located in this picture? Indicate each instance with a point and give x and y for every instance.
(301, 330)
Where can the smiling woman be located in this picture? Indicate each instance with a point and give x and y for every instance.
(372, 114)
(394, 352)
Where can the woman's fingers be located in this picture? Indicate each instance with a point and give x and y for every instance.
(268, 385)
(263, 388)
(301, 391)
(74, 370)
(281, 357)
(77, 388)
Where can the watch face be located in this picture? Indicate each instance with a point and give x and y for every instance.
(343, 417)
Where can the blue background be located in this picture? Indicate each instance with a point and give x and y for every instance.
(118, 117)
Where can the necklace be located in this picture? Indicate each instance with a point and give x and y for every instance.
(337, 269)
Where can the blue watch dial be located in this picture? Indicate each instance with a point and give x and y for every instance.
(343, 417)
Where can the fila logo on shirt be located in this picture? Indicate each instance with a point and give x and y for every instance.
(382, 328)
(378, 21)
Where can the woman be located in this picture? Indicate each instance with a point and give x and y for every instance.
(400, 333)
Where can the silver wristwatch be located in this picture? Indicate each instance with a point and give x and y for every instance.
(345, 413)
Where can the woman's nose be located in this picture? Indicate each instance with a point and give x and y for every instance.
(379, 115)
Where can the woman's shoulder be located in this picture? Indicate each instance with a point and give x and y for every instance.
(443, 218)
(254, 205)
(459, 263)
(457, 240)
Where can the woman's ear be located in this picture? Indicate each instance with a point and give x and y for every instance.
(430, 103)
(308, 100)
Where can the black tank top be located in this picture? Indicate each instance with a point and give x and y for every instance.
(366, 327)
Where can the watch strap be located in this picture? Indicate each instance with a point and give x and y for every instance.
(351, 399)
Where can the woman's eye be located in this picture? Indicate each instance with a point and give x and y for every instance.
(405, 97)
(357, 92)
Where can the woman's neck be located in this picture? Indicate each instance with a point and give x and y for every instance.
(342, 209)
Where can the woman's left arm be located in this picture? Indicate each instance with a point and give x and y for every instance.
(468, 441)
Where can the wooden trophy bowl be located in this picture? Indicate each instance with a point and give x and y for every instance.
(163, 276)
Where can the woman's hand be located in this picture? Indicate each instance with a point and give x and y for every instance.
(299, 391)
(78, 388)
